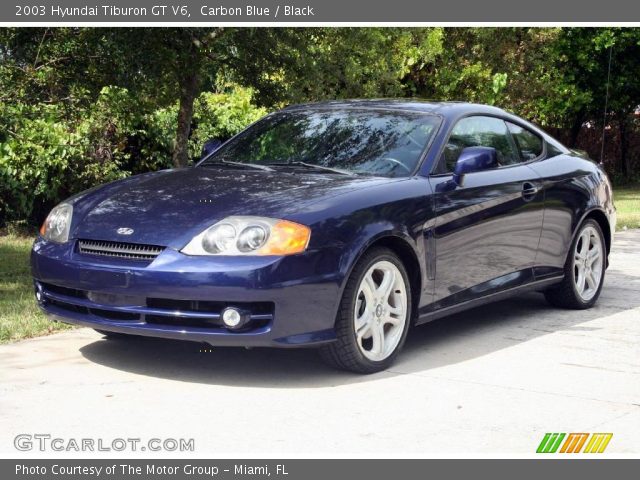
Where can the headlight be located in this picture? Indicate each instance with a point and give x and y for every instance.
(244, 235)
(219, 238)
(58, 223)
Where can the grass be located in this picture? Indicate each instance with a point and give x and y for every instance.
(627, 200)
(19, 315)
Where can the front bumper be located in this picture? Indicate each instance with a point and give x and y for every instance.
(292, 301)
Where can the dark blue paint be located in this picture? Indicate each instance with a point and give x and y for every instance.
(474, 159)
(469, 242)
(210, 146)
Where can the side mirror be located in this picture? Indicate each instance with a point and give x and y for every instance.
(210, 146)
(474, 159)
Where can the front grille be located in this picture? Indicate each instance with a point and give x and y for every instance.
(68, 306)
(183, 322)
(132, 251)
(256, 308)
(67, 292)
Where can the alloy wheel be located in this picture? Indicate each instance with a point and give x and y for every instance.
(380, 311)
(587, 263)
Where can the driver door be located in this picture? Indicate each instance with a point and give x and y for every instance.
(486, 231)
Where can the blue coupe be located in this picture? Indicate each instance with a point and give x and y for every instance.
(334, 225)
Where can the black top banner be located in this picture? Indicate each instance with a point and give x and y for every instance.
(318, 11)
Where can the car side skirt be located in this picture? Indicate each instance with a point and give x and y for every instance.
(493, 297)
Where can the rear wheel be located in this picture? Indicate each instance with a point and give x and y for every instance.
(583, 270)
(374, 314)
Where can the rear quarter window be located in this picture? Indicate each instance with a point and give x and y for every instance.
(529, 144)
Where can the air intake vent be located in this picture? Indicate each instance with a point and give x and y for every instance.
(132, 251)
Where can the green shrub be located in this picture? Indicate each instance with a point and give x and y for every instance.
(48, 153)
(221, 116)
(35, 158)
(45, 157)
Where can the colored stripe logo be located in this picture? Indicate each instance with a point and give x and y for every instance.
(550, 443)
(598, 442)
(574, 442)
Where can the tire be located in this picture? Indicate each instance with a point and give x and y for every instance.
(575, 292)
(381, 310)
(111, 335)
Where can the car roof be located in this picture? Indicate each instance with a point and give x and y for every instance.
(434, 107)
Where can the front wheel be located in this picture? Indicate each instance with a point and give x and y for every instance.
(374, 315)
(583, 270)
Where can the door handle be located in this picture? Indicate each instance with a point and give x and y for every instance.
(529, 190)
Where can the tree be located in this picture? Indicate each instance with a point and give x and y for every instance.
(158, 66)
(121, 100)
(584, 62)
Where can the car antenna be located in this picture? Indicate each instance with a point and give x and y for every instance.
(606, 106)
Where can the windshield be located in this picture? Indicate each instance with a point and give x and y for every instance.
(377, 142)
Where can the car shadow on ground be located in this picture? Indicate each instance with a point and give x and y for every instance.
(447, 341)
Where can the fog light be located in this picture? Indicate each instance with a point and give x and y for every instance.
(233, 318)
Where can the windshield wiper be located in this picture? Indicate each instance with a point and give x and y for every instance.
(311, 166)
(239, 164)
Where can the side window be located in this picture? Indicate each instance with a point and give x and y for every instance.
(529, 143)
(553, 151)
(479, 132)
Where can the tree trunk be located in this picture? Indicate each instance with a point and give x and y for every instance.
(576, 128)
(625, 161)
(188, 91)
(189, 87)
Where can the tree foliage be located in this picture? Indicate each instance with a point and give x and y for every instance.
(81, 106)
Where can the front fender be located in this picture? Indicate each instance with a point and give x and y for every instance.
(356, 221)
(379, 236)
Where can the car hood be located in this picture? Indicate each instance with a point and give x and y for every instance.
(170, 207)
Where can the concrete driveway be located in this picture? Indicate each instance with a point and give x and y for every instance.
(491, 380)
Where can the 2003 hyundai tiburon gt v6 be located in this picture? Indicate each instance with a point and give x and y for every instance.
(333, 225)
